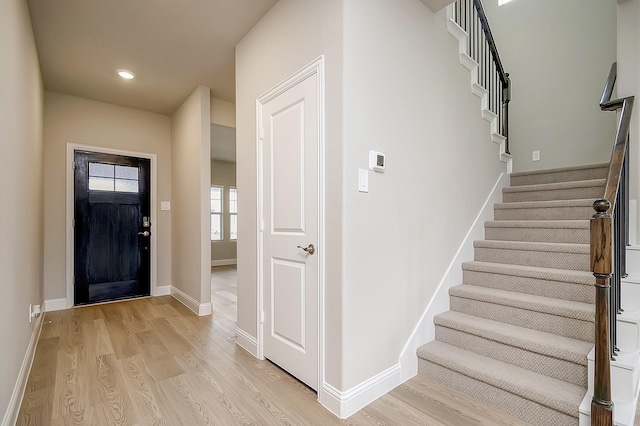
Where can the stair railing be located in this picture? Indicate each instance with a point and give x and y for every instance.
(481, 47)
(609, 238)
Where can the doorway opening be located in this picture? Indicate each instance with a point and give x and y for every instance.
(224, 225)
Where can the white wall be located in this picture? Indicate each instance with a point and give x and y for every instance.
(21, 215)
(291, 35)
(405, 94)
(628, 84)
(223, 112)
(82, 121)
(558, 54)
(394, 84)
(223, 173)
(190, 161)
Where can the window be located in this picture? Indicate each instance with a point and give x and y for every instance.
(233, 214)
(216, 213)
(111, 177)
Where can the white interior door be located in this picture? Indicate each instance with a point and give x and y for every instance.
(290, 167)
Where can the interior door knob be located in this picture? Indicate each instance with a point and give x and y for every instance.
(309, 249)
(144, 234)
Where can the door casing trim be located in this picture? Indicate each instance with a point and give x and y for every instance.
(69, 213)
(316, 67)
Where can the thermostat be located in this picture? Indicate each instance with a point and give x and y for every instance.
(376, 161)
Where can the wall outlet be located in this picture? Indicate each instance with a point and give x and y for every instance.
(34, 312)
(535, 156)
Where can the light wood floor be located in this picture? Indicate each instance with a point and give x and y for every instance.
(152, 361)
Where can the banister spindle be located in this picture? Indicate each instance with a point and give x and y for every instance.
(601, 266)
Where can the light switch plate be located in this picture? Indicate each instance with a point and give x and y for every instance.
(363, 180)
(165, 205)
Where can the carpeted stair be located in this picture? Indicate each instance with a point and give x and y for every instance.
(521, 323)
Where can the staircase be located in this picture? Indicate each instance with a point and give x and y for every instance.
(522, 322)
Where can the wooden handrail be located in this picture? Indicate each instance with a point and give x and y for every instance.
(619, 149)
(504, 77)
(601, 256)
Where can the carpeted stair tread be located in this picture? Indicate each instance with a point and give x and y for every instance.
(532, 340)
(557, 307)
(546, 255)
(550, 224)
(593, 188)
(563, 174)
(547, 231)
(550, 274)
(547, 391)
(585, 202)
(555, 186)
(533, 246)
(558, 283)
(581, 209)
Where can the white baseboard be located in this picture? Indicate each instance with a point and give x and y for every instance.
(224, 262)
(344, 404)
(425, 330)
(200, 309)
(163, 290)
(247, 342)
(51, 305)
(11, 415)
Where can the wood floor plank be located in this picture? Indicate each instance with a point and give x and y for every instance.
(96, 338)
(36, 408)
(158, 358)
(441, 403)
(111, 402)
(123, 339)
(71, 396)
(71, 334)
(393, 411)
(147, 398)
(42, 376)
(190, 407)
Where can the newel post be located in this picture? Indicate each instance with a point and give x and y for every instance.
(601, 262)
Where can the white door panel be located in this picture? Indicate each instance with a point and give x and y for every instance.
(290, 167)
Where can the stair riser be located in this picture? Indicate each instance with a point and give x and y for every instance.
(541, 235)
(552, 367)
(557, 177)
(567, 327)
(515, 405)
(573, 261)
(628, 335)
(560, 290)
(594, 192)
(624, 382)
(551, 213)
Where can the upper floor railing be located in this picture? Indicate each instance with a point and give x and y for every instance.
(481, 47)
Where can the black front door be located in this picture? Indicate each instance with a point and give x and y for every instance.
(112, 227)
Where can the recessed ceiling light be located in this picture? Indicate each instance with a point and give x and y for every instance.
(127, 75)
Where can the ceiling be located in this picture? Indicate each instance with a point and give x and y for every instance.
(172, 46)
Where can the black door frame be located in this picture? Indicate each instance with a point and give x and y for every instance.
(68, 301)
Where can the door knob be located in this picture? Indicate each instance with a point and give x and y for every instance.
(144, 234)
(310, 249)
